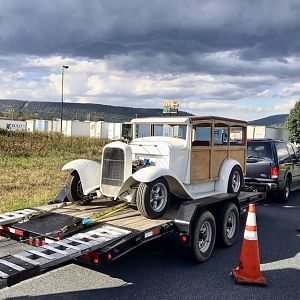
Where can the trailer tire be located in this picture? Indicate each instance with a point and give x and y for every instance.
(74, 191)
(228, 222)
(204, 236)
(145, 200)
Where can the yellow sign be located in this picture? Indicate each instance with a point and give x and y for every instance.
(170, 106)
(170, 103)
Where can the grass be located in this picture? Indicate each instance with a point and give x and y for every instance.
(30, 165)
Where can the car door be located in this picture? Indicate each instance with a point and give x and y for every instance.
(294, 166)
(284, 163)
(297, 161)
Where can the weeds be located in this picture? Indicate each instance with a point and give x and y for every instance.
(30, 165)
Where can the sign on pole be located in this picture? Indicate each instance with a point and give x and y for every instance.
(170, 107)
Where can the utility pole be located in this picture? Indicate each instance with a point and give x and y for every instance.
(62, 95)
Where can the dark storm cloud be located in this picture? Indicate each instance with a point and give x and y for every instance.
(157, 36)
(258, 29)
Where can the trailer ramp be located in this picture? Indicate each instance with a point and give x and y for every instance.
(16, 216)
(29, 263)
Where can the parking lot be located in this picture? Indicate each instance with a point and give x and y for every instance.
(160, 270)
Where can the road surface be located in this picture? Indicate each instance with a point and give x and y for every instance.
(160, 270)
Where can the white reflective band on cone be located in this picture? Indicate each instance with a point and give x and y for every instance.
(250, 235)
(251, 219)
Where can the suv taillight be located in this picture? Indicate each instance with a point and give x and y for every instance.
(274, 172)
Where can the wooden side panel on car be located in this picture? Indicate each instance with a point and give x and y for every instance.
(219, 154)
(239, 154)
(200, 164)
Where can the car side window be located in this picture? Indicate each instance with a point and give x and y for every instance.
(221, 134)
(282, 153)
(202, 135)
(291, 151)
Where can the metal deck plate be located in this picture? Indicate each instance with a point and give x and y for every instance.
(13, 268)
(45, 224)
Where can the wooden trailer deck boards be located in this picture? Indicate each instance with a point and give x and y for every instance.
(127, 217)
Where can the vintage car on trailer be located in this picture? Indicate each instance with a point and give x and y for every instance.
(190, 157)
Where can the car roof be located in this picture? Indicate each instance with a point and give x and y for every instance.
(186, 119)
(267, 140)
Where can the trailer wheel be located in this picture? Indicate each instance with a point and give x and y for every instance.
(74, 190)
(235, 181)
(228, 223)
(153, 198)
(204, 237)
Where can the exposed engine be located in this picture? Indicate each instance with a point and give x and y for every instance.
(138, 164)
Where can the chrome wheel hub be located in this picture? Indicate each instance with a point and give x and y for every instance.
(158, 197)
(236, 181)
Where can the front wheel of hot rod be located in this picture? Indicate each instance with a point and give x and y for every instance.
(153, 198)
(74, 191)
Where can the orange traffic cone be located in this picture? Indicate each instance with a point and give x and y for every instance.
(249, 269)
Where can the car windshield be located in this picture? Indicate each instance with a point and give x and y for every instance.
(260, 150)
(167, 130)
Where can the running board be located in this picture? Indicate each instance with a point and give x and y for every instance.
(27, 264)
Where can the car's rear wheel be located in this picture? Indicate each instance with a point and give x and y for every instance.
(153, 198)
(285, 193)
(74, 190)
(235, 181)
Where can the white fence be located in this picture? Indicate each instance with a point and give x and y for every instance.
(12, 125)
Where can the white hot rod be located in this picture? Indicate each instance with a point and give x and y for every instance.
(190, 157)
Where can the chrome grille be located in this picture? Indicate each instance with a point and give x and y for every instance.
(112, 170)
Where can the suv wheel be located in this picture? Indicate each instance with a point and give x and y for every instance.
(285, 193)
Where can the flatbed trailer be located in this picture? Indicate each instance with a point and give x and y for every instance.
(117, 233)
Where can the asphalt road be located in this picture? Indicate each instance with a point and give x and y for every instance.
(159, 270)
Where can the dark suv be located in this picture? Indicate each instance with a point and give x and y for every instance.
(273, 165)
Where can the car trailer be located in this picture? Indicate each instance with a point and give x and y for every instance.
(62, 234)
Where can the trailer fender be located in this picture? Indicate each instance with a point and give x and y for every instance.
(89, 172)
(222, 184)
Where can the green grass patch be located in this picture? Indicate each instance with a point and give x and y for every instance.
(30, 165)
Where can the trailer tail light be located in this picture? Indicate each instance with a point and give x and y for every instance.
(30, 241)
(183, 238)
(37, 242)
(109, 256)
(44, 243)
(274, 172)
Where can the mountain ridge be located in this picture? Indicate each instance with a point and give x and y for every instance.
(22, 109)
(272, 121)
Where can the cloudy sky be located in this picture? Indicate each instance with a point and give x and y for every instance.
(231, 58)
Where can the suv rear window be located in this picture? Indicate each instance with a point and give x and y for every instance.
(258, 149)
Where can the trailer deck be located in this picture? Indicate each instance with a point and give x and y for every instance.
(115, 235)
